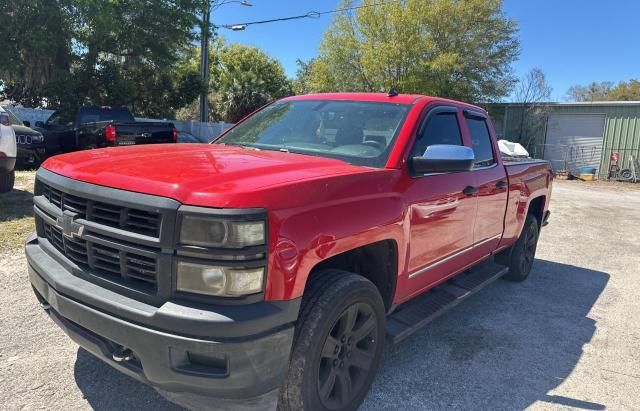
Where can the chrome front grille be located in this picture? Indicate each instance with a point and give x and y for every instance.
(118, 239)
(108, 262)
(112, 215)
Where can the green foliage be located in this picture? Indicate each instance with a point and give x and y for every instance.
(449, 48)
(606, 91)
(35, 47)
(245, 80)
(120, 52)
(592, 92)
(241, 80)
(302, 83)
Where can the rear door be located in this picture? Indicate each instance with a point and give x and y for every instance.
(491, 183)
(441, 211)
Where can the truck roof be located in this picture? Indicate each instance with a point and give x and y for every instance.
(378, 97)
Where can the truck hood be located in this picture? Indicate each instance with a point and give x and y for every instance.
(197, 174)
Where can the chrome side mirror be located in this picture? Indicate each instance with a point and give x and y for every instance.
(444, 158)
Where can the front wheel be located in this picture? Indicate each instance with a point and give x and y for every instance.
(338, 344)
(524, 251)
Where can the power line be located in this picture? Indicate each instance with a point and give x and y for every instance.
(309, 15)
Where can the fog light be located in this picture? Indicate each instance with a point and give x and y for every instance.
(222, 281)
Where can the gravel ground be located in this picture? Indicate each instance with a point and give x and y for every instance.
(566, 338)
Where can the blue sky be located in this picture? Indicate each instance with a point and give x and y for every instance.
(572, 41)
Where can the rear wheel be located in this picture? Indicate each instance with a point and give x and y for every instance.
(7, 179)
(337, 346)
(524, 251)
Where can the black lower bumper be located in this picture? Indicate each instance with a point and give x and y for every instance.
(240, 367)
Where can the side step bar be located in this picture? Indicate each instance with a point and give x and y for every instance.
(415, 314)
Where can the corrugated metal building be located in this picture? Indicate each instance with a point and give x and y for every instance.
(574, 135)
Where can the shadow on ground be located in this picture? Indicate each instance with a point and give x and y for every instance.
(505, 348)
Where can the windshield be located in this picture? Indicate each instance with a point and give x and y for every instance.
(360, 133)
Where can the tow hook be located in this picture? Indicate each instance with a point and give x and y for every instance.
(45, 306)
(122, 354)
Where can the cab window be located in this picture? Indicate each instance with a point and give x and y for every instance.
(481, 142)
(441, 128)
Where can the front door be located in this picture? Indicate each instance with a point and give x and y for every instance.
(441, 207)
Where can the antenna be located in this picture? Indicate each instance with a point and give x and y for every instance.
(393, 92)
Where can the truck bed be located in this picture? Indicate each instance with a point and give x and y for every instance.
(528, 178)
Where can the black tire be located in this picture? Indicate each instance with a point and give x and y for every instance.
(625, 174)
(338, 343)
(7, 179)
(524, 251)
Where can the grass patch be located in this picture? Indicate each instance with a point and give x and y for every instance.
(16, 212)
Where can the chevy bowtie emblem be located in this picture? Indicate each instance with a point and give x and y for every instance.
(145, 135)
(68, 226)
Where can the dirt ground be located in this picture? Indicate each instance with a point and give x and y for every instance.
(568, 337)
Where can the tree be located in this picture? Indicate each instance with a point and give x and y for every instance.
(606, 91)
(532, 89)
(593, 92)
(626, 91)
(72, 52)
(35, 47)
(456, 49)
(241, 80)
(302, 83)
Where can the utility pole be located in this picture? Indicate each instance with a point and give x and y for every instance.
(204, 62)
(205, 31)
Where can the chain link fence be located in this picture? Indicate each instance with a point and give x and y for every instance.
(607, 163)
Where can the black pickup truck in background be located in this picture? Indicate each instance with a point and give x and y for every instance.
(96, 127)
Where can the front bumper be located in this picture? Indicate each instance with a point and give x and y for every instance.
(230, 355)
(30, 155)
(7, 164)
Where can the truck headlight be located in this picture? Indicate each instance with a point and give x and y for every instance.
(217, 280)
(213, 232)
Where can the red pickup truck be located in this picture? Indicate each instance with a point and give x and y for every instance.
(273, 264)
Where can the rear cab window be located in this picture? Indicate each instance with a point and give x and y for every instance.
(480, 141)
(98, 114)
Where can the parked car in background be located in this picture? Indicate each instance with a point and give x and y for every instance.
(96, 127)
(32, 149)
(8, 153)
(278, 260)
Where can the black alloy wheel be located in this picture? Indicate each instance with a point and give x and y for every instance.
(347, 356)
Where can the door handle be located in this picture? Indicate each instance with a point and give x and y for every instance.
(470, 190)
(501, 185)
